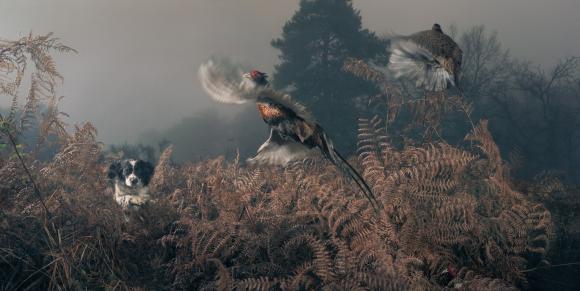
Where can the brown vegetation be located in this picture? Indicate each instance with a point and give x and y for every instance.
(452, 219)
(219, 225)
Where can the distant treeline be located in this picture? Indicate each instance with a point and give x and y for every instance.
(532, 111)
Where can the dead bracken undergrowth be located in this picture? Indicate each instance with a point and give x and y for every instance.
(450, 219)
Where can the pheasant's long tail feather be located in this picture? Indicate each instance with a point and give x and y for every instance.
(336, 158)
(364, 187)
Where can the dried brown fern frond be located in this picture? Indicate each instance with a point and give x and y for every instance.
(52, 122)
(528, 229)
(376, 156)
(487, 145)
(444, 203)
(453, 223)
(11, 74)
(163, 171)
(260, 284)
(224, 279)
(321, 261)
(545, 187)
(361, 69)
(389, 282)
(15, 58)
(78, 157)
(484, 283)
(251, 182)
(31, 105)
(439, 161)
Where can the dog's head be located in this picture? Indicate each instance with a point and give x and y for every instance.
(131, 173)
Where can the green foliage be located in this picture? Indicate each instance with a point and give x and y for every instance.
(314, 44)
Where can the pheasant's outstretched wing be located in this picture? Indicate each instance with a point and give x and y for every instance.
(411, 61)
(223, 81)
(278, 150)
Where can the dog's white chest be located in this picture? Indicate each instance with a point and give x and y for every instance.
(127, 197)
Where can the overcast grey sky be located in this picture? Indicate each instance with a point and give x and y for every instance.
(137, 61)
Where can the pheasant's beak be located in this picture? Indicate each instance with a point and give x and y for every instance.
(246, 75)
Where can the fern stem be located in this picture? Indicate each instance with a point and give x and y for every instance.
(552, 266)
(34, 186)
(41, 198)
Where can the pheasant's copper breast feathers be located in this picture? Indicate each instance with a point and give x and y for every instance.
(268, 95)
(270, 112)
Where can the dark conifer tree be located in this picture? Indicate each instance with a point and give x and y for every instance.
(314, 44)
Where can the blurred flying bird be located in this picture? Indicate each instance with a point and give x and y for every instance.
(294, 134)
(430, 58)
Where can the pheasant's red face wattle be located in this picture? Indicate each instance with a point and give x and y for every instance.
(255, 74)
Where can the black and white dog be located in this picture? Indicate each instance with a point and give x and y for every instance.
(131, 180)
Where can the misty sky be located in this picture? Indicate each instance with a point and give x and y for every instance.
(137, 61)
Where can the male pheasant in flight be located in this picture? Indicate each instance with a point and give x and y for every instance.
(294, 133)
(430, 58)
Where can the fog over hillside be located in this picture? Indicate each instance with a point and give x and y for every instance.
(137, 61)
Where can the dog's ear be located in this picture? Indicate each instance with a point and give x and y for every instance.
(147, 169)
(114, 170)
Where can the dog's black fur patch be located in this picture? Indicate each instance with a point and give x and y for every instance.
(142, 169)
(115, 170)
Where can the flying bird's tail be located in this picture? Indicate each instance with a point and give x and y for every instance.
(336, 158)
